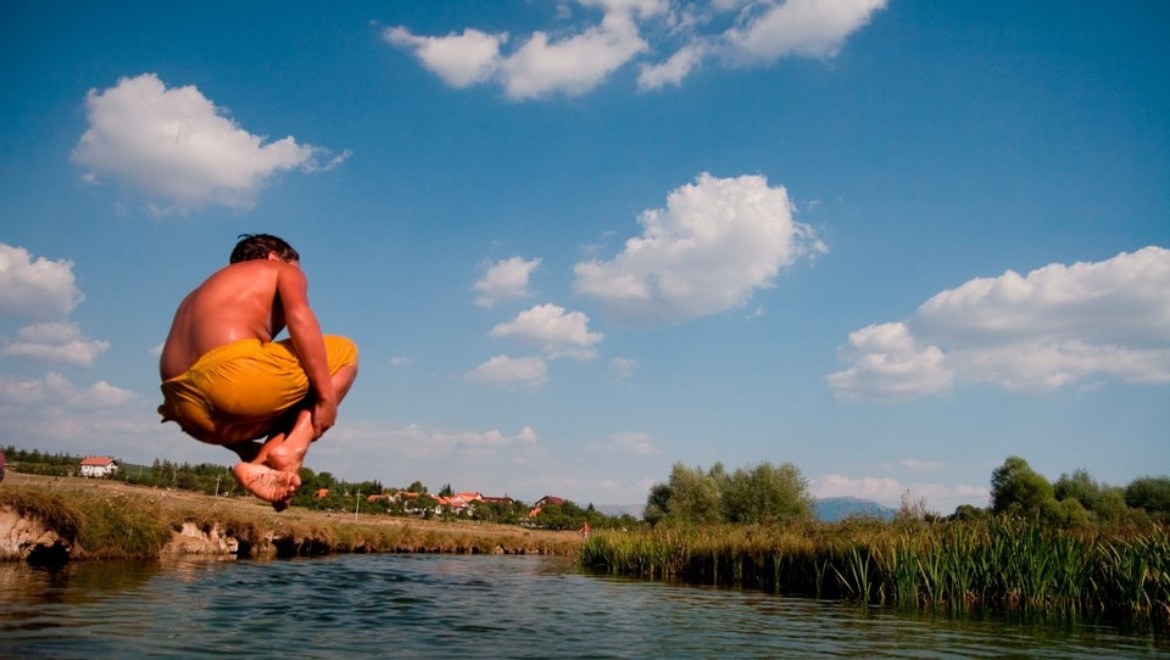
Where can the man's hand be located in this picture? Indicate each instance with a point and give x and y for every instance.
(324, 416)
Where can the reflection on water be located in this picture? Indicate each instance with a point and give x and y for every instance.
(472, 605)
(79, 582)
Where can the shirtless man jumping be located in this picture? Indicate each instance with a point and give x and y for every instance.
(226, 382)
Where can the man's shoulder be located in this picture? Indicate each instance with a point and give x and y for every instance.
(257, 265)
(257, 268)
(244, 274)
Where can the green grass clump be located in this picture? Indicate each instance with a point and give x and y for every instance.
(56, 511)
(97, 525)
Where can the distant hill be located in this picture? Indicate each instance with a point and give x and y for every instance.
(832, 509)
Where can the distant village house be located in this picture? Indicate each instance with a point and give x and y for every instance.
(98, 466)
(543, 502)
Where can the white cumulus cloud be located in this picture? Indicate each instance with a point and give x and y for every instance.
(715, 243)
(506, 371)
(1053, 327)
(459, 59)
(557, 331)
(887, 359)
(175, 146)
(35, 288)
(504, 280)
(574, 65)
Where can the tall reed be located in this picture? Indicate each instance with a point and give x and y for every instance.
(1001, 564)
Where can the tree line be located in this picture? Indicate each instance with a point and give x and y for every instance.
(767, 493)
(1017, 489)
(759, 494)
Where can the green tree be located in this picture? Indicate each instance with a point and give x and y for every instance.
(694, 496)
(968, 512)
(657, 504)
(1082, 488)
(765, 493)
(1017, 489)
(508, 513)
(1151, 494)
(566, 515)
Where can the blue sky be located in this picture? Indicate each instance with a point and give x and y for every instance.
(890, 242)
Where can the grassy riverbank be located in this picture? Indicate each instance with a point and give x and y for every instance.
(996, 564)
(98, 519)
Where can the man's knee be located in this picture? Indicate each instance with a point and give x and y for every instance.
(342, 351)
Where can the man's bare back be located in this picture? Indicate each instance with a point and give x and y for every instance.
(237, 302)
(255, 298)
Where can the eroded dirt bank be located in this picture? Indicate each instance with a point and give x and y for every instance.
(55, 520)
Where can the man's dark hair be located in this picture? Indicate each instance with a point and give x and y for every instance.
(257, 246)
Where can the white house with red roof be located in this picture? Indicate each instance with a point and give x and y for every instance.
(98, 466)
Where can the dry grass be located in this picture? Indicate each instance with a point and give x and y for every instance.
(105, 519)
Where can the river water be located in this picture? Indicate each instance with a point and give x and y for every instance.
(478, 606)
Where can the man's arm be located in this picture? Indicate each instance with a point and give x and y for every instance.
(292, 287)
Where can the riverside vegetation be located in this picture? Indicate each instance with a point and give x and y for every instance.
(1000, 563)
(1076, 548)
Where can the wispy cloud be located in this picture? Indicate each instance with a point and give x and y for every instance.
(506, 371)
(624, 367)
(56, 342)
(627, 443)
(672, 39)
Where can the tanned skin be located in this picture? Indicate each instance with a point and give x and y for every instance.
(257, 299)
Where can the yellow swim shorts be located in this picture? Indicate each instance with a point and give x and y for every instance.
(239, 391)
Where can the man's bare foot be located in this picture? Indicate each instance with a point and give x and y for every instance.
(273, 486)
(285, 458)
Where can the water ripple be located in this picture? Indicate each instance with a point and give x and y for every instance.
(443, 605)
